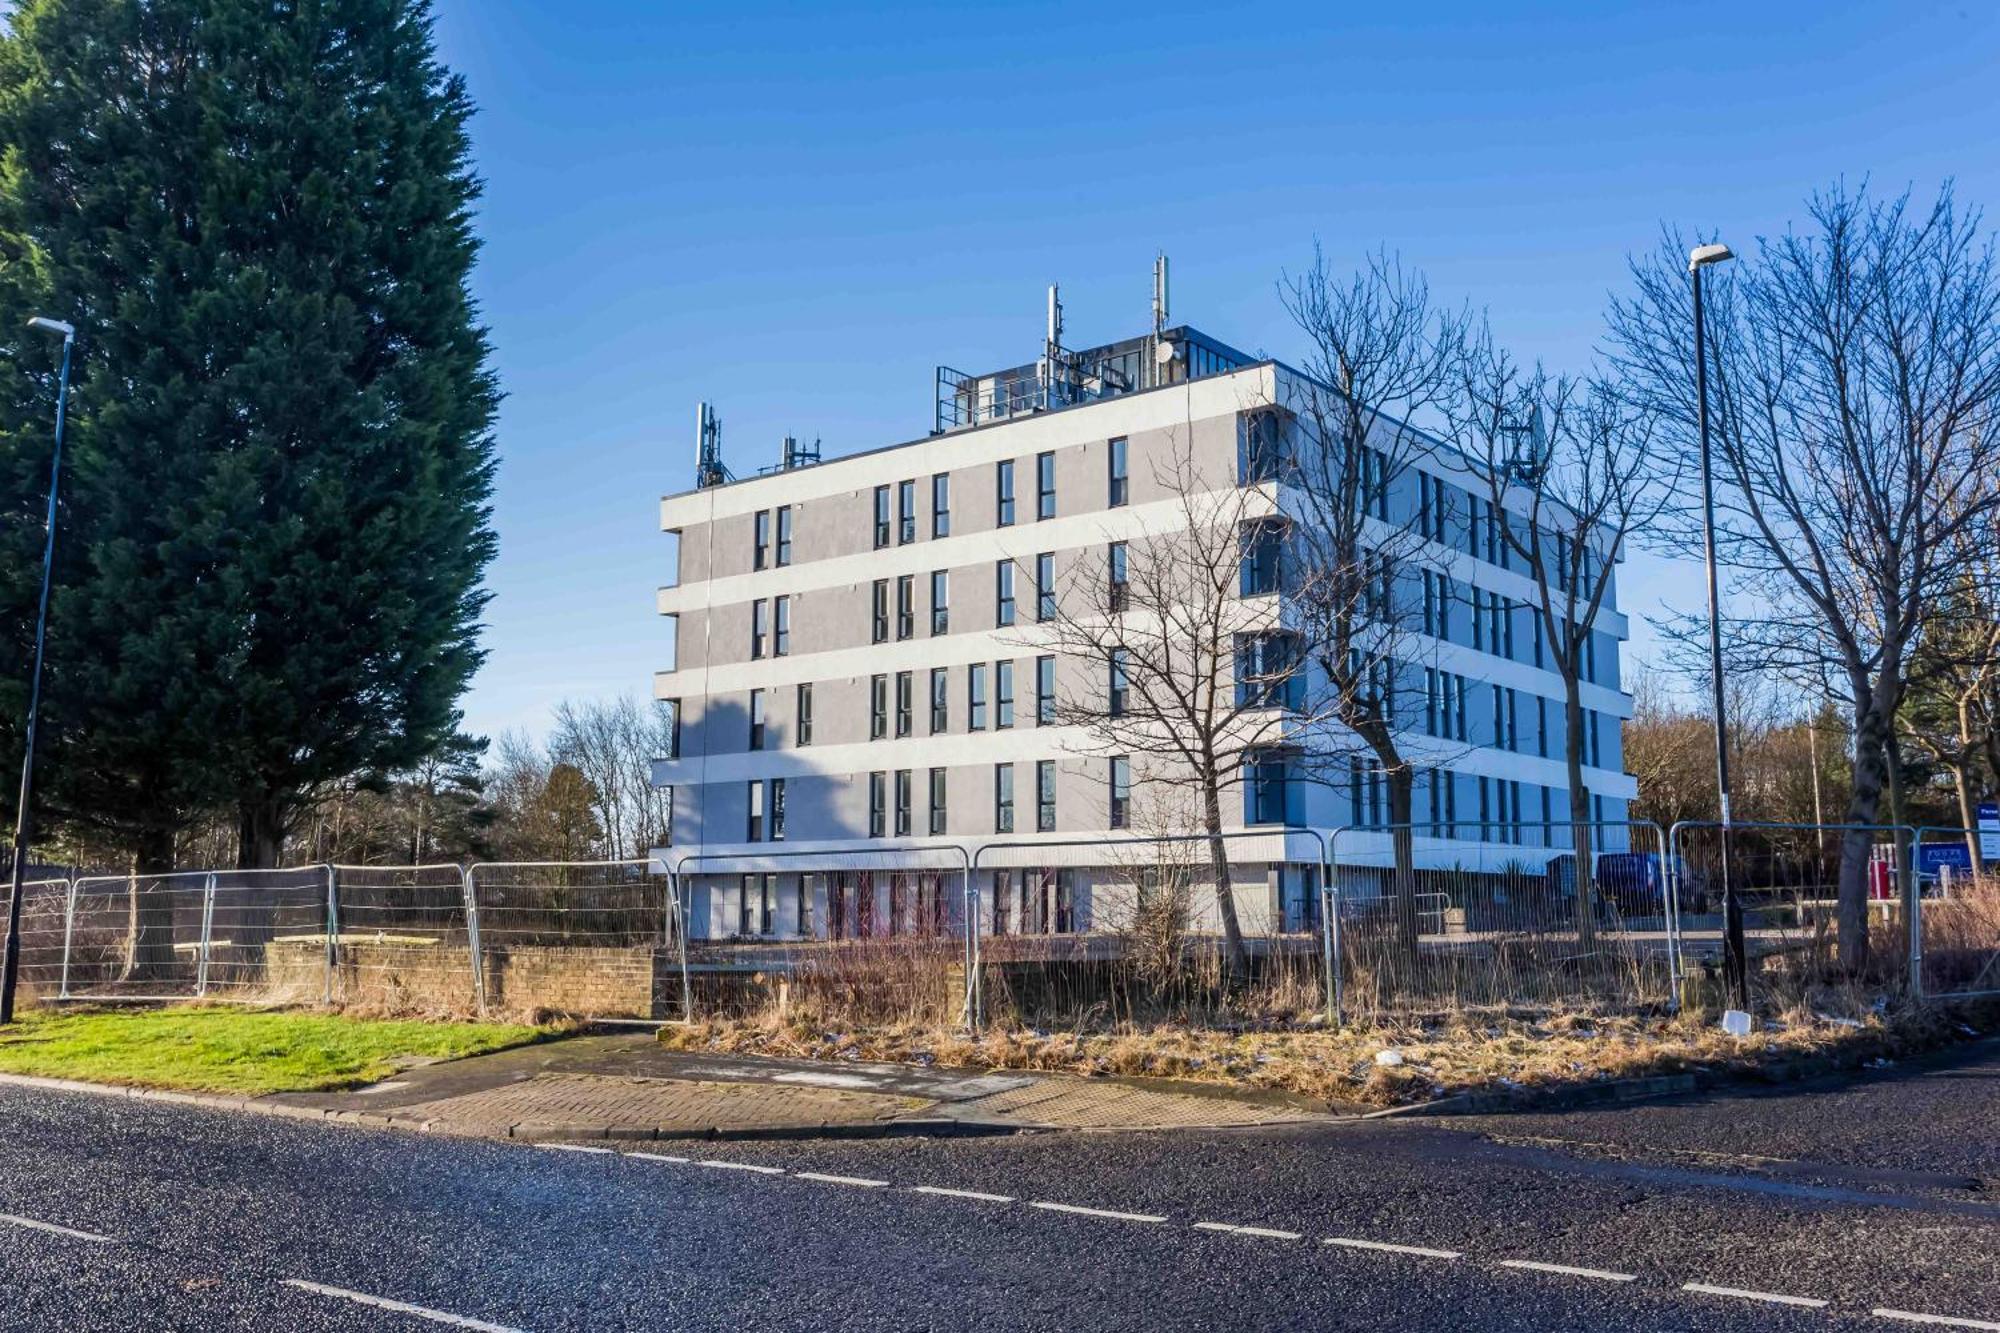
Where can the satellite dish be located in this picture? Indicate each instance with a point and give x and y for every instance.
(1165, 352)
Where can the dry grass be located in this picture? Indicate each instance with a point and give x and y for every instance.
(1339, 1067)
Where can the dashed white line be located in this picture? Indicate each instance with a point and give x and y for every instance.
(1095, 1212)
(1233, 1229)
(740, 1166)
(961, 1194)
(1945, 1321)
(1418, 1250)
(571, 1147)
(399, 1307)
(660, 1157)
(1745, 1293)
(11, 1220)
(1602, 1274)
(861, 1181)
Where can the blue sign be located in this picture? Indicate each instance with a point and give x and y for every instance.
(1935, 856)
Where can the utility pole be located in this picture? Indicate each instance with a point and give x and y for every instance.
(1735, 958)
(10, 968)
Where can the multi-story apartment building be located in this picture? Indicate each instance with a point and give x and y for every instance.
(859, 676)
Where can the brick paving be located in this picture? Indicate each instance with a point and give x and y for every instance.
(597, 1102)
(1068, 1105)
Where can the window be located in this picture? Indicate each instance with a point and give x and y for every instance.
(781, 636)
(1119, 696)
(941, 505)
(881, 609)
(1003, 593)
(904, 688)
(745, 886)
(940, 601)
(1121, 791)
(975, 697)
(906, 605)
(803, 898)
(1268, 788)
(1045, 691)
(756, 719)
(756, 829)
(906, 512)
(1118, 593)
(1045, 796)
(767, 904)
(881, 517)
(1542, 726)
(1003, 490)
(1003, 695)
(1119, 488)
(760, 627)
(1003, 798)
(940, 701)
(902, 802)
(1045, 586)
(1262, 541)
(803, 723)
(937, 801)
(674, 729)
(878, 707)
(1267, 670)
(1258, 447)
(760, 551)
(784, 535)
(878, 803)
(777, 809)
(1045, 486)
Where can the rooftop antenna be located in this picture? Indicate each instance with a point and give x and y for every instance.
(1160, 293)
(708, 468)
(1525, 468)
(1052, 352)
(800, 455)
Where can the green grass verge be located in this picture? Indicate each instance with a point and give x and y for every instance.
(246, 1052)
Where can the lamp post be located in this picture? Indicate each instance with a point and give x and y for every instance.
(1735, 961)
(11, 967)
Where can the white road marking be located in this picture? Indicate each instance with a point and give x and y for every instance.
(740, 1166)
(1769, 1297)
(659, 1157)
(1384, 1246)
(571, 1147)
(961, 1194)
(399, 1307)
(54, 1230)
(1600, 1273)
(862, 1181)
(1234, 1229)
(1947, 1321)
(1096, 1212)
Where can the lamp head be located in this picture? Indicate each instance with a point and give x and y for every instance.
(1703, 255)
(56, 326)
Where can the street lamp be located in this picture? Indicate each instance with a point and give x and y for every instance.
(1735, 962)
(11, 967)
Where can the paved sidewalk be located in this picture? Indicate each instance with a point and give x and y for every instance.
(627, 1086)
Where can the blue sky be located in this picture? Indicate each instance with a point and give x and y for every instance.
(797, 212)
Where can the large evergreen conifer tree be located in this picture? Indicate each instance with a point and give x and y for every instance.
(258, 214)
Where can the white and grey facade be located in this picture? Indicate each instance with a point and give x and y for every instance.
(858, 675)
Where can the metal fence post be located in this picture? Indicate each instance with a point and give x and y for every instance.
(1913, 900)
(975, 968)
(467, 882)
(681, 940)
(1336, 1000)
(69, 931)
(207, 932)
(332, 929)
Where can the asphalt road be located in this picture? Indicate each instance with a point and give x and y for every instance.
(1883, 1195)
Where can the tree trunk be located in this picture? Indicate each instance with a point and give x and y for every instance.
(1403, 844)
(1579, 815)
(1234, 960)
(149, 930)
(260, 833)
(1961, 776)
(246, 911)
(1857, 844)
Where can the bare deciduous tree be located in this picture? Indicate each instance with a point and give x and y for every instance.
(1853, 388)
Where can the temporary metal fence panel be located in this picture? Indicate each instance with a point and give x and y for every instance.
(44, 923)
(1957, 939)
(597, 938)
(1787, 879)
(840, 935)
(1130, 934)
(137, 937)
(1449, 917)
(400, 938)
